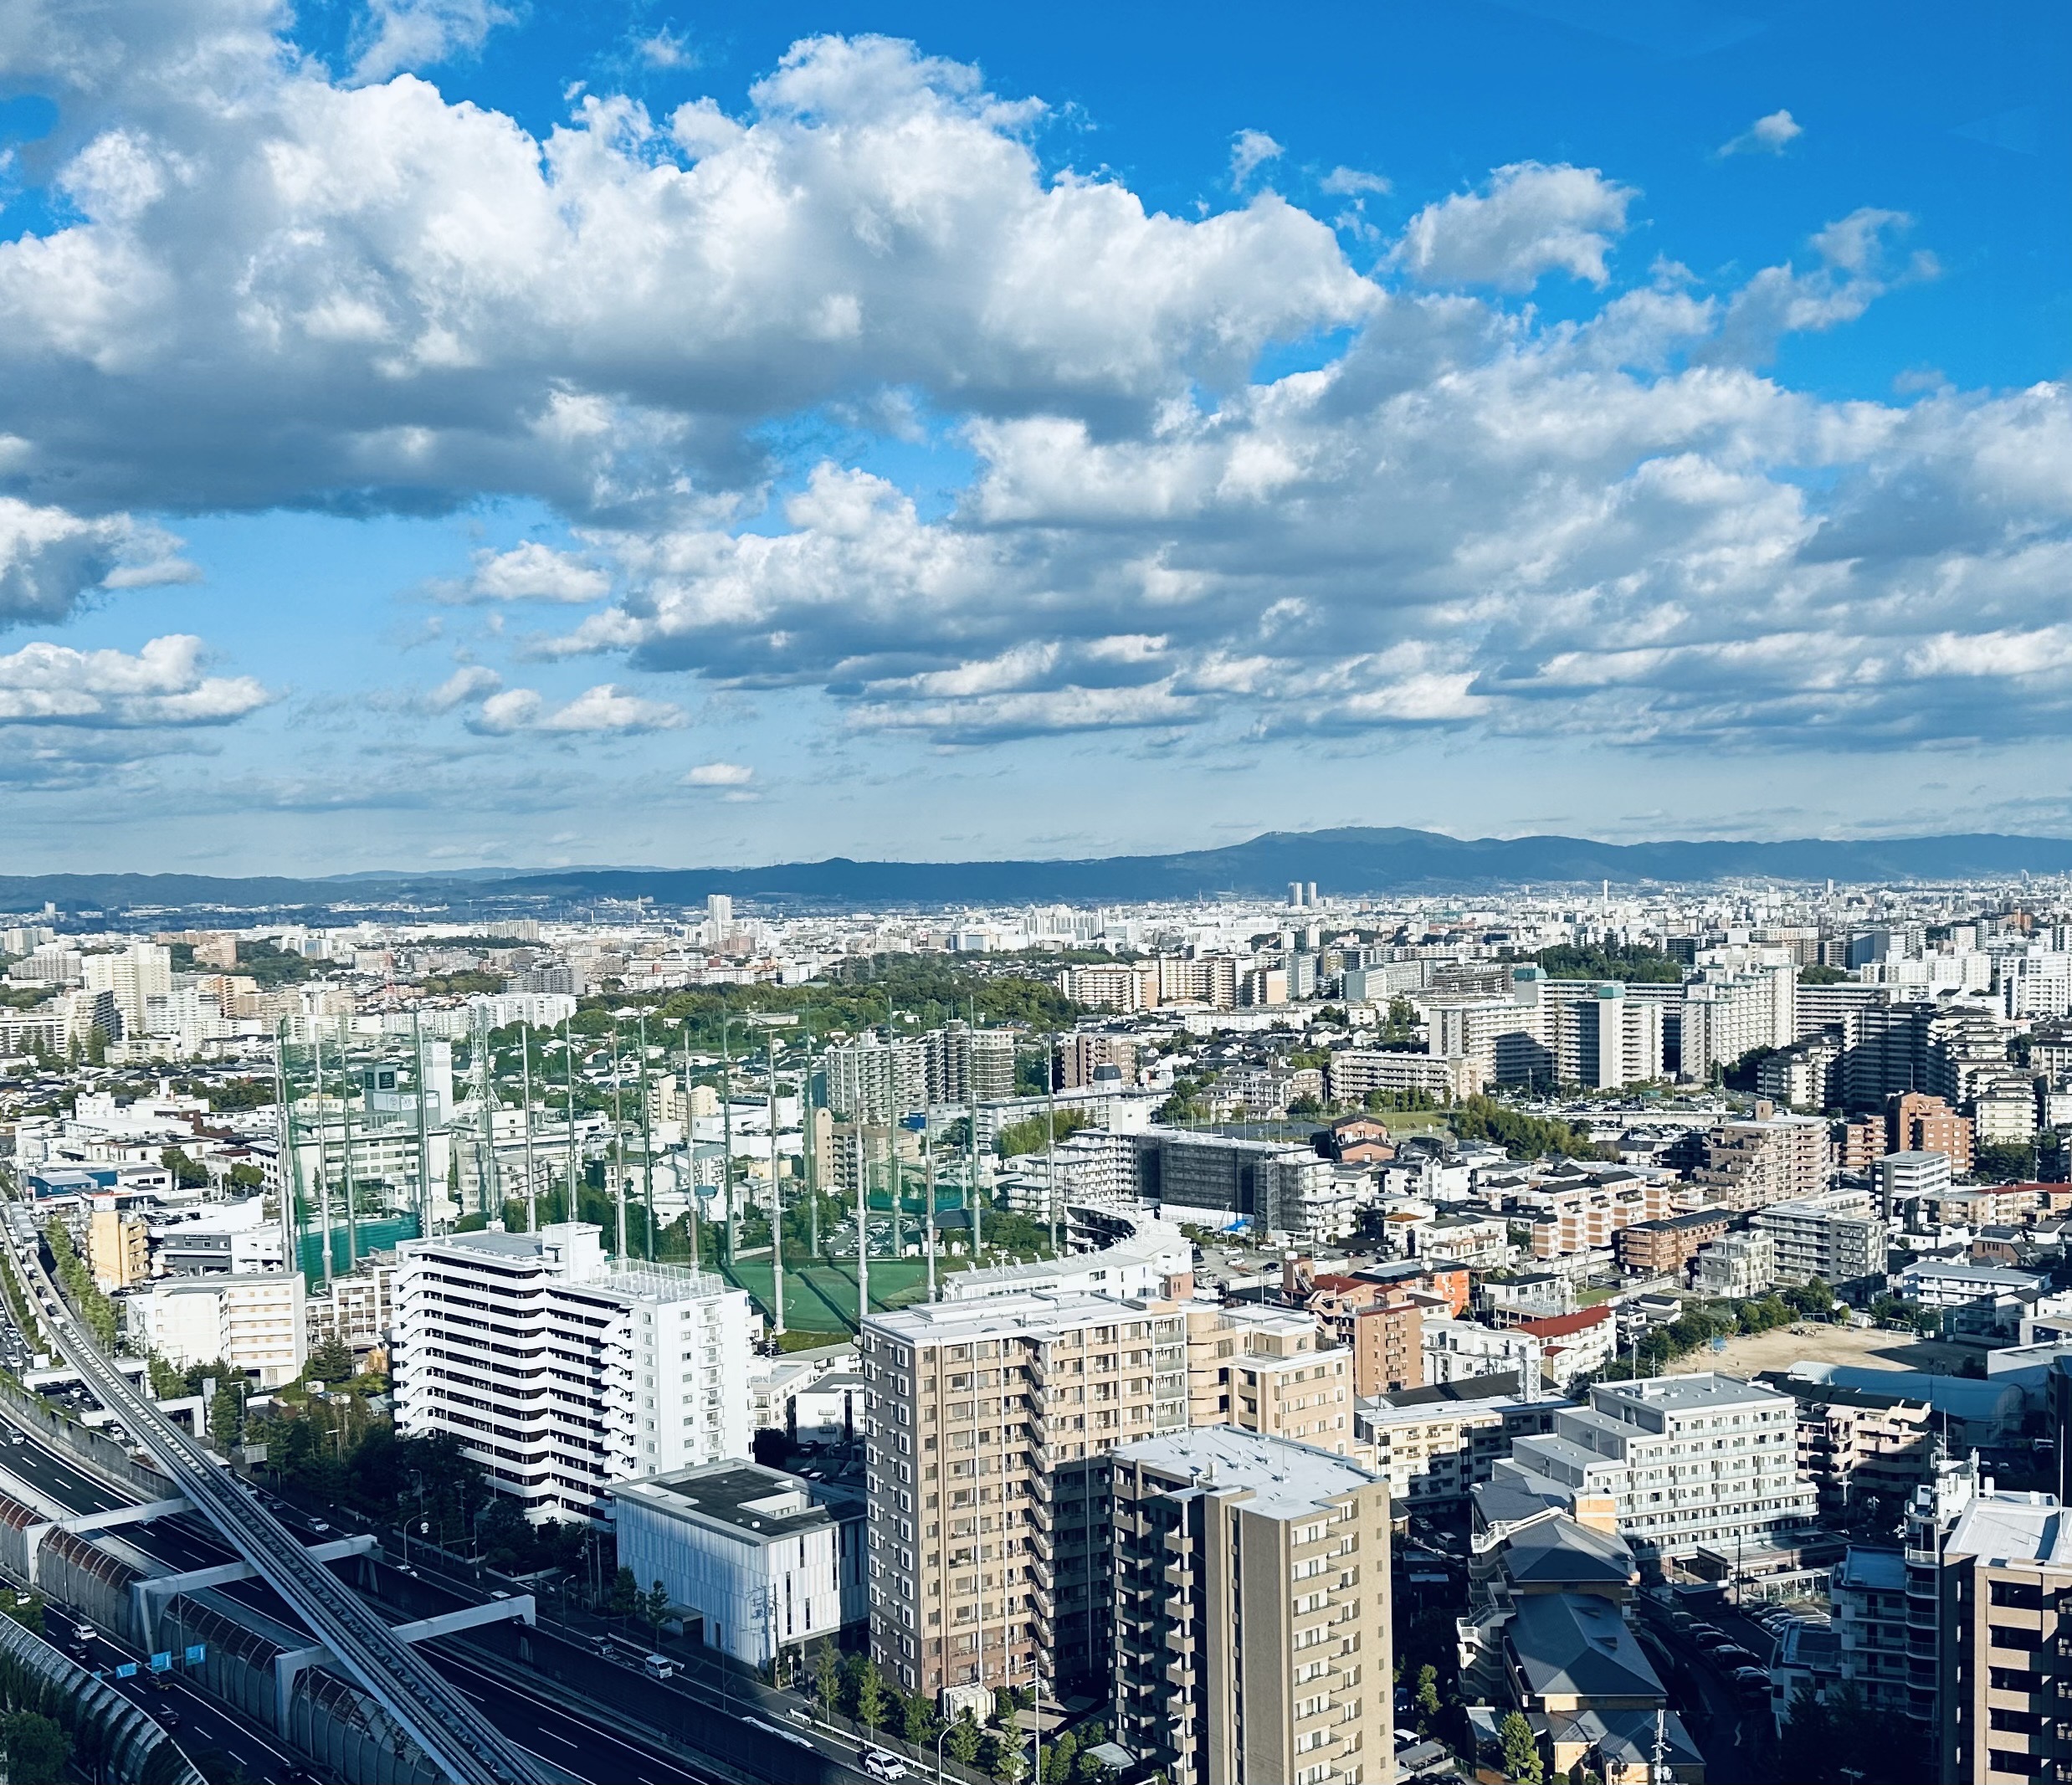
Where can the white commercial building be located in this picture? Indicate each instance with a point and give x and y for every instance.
(1687, 1461)
(252, 1320)
(753, 1550)
(560, 1372)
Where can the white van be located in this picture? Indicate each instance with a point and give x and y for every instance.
(659, 1667)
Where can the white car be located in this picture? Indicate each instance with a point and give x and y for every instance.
(880, 1765)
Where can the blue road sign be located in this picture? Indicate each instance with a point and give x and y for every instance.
(125, 1670)
(197, 1654)
(161, 1662)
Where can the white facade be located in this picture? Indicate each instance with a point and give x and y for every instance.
(1738, 1265)
(749, 1549)
(1457, 1350)
(1686, 1460)
(252, 1320)
(561, 1372)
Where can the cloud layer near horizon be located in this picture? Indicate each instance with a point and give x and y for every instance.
(269, 286)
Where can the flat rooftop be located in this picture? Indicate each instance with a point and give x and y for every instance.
(1285, 1479)
(1688, 1393)
(995, 1316)
(761, 1504)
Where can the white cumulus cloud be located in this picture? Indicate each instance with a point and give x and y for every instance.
(1532, 219)
(1767, 136)
(533, 572)
(166, 683)
(606, 708)
(719, 775)
(1250, 151)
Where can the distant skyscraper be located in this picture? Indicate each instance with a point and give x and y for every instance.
(719, 915)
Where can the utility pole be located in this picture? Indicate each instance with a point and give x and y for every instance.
(862, 1226)
(776, 1189)
(809, 1156)
(972, 1199)
(568, 1071)
(353, 1182)
(323, 1149)
(647, 1141)
(485, 1124)
(291, 1157)
(1050, 1165)
(726, 1126)
(424, 1142)
(532, 1183)
(619, 1144)
(690, 1152)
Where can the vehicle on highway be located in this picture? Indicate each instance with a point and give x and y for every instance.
(658, 1667)
(167, 1719)
(881, 1765)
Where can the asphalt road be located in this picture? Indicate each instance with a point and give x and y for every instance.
(1731, 1731)
(566, 1740)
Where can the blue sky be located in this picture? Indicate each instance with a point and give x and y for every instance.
(441, 432)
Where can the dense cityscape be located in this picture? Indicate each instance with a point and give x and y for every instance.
(1092, 896)
(1603, 1333)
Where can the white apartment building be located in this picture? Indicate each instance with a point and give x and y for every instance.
(560, 1372)
(988, 1427)
(1152, 1260)
(1686, 1460)
(768, 1565)
(1352, 1072)
(1910, 1179)
(1605, 1038)
(1734, 1007)
(1431, 1452)
(1458, 1351)
(252, 1320)
(1839, 1235)
(1568, 1217)
(141, 971)
(1739, 1266)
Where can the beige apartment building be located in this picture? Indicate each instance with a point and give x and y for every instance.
(1251, 1638)
(988, 1426)
(1270, 1371)
(118, 1247)
(1772, 1159)
(2005, 1619)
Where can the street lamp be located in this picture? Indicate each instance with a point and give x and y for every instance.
(942, 1734)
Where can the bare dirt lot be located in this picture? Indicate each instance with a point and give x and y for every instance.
(1871, 1349)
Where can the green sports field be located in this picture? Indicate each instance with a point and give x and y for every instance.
(822, 1298)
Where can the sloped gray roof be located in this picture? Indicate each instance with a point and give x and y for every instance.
(1577, 1645)
(1560, 1549)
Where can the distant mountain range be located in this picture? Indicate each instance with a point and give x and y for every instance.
(1341, 862)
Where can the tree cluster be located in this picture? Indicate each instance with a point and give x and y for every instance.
(1523, 1136)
